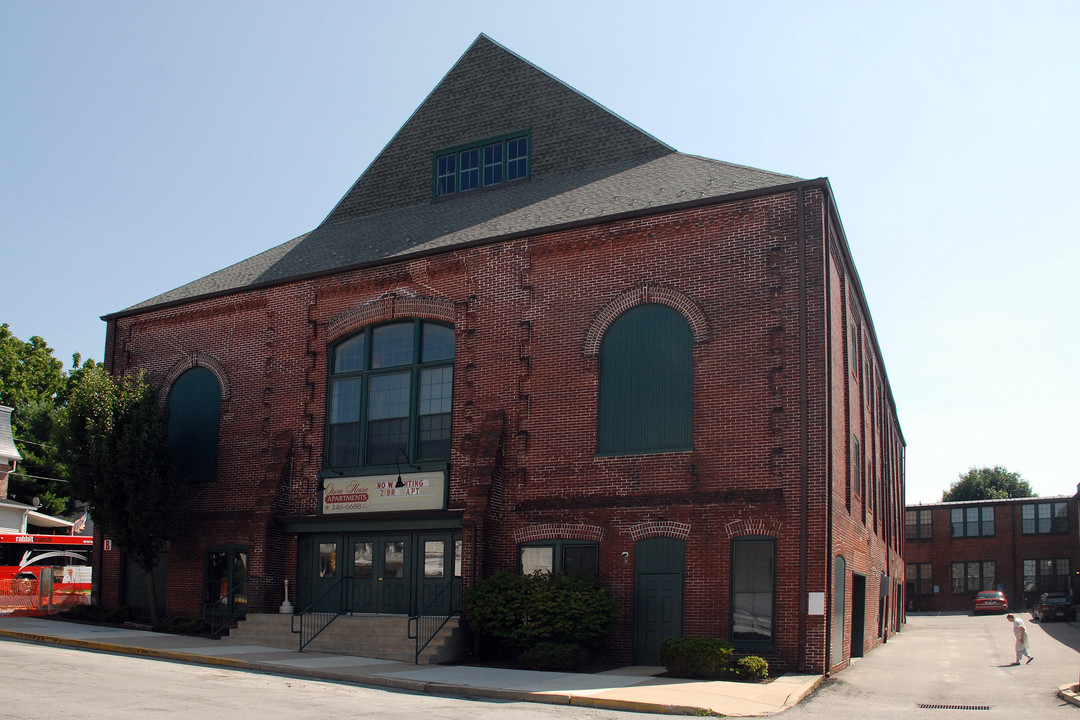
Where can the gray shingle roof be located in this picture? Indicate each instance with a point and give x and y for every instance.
(587, 164)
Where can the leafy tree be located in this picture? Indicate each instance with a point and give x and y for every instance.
(987, 483)
(34, 383)
(111, 436)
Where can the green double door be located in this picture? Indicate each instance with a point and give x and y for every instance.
(388, 573)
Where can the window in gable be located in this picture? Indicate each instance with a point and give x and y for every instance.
(391, 389)
(194, 425)
(482, 164)
(646, 383)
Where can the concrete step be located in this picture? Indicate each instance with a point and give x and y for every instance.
(385, 637)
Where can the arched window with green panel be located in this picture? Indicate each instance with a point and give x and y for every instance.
(646, 383)
(194, 417)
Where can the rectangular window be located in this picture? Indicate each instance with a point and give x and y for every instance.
(918, 524)
(856, 466)
(573, 557)
(972, 521)
(436, 393)
(920, 578)
(484, 164)
(435, 558)
(971, 577)
(1046, 575)
(1044, 518)
(753, 584)
(537, 559)
(388, 417)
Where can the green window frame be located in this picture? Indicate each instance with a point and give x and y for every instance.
(753, 591)
(920, 576)
(918, 524)
(573, 557)
(975, 521)
(1044, 518)
(390, 391)
(194, 425)
(488, 163)
(972, 576)
(1047, 575)
(646, 393)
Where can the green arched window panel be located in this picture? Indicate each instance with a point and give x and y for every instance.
(646, 383)
(195, 425)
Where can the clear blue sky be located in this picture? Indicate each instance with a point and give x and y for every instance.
(144, 145)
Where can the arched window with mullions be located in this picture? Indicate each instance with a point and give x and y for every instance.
(646, 383)
(390, 391)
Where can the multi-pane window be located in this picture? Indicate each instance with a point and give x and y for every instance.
(646, 383)
(856, 465)
(391, 389)
(573, 557)
(1044, 518)
(971, 577)
(482, 165)
(918, 524)
(973, 521)
(1046, 575)
(753, 588)
(920, 578)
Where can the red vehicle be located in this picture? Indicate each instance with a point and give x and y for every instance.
(23, 559)
(991, 601)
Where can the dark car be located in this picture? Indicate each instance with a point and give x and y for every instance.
(1054, 606)
(991, 601)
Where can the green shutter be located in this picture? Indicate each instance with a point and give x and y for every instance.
(646, 383)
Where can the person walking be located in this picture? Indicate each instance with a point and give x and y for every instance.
(1021, 633)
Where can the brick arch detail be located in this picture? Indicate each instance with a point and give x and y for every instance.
(389, 307)
(642, 295)
(558, 531)
(769, 527)
(194, 360)
(662, 528)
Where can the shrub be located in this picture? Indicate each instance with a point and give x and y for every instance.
(752, 667)
(695, 657)
(123, 614)
(554, 656)
(98, 614)
(518, 612)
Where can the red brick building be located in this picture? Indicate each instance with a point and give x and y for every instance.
(1021, 546)
(532, 336)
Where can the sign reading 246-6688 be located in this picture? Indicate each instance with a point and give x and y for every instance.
(383, 493)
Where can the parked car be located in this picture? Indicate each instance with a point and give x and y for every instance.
(991, 601)
(1054, 606)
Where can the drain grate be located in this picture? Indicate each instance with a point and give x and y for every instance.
(925, 706)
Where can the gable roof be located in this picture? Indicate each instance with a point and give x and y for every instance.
(586, 164)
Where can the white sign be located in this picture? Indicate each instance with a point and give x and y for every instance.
(815, 603)
(384, 493)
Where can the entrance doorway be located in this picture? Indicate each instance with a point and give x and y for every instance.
(381, 573)
(858, 614)
(659, 564)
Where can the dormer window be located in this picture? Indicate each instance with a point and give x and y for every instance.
(482, 164)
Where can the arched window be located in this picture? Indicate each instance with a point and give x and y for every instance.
(839, 597)
(391, 390)
(646, 383)
(194, 425)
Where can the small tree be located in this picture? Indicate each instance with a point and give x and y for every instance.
(986, 483)
(111, 437)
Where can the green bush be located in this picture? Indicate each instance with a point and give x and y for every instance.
(98, 614)
(517, 612)
(752, 667)
(123, 614)
(695, 657)
(563, 657)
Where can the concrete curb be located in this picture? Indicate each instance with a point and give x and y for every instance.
(1070, 694)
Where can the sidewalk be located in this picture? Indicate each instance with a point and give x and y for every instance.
(630, 688)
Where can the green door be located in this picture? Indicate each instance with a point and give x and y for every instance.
(380, 567)
(439, 565)
(659, 564)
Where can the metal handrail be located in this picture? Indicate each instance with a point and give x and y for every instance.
(219, 622)
(312, 621)
(429, 624)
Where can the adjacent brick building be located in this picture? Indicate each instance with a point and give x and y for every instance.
(1022, 546)
(531, 336)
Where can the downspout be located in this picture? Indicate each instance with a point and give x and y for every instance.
(804, 422)
(828, 429)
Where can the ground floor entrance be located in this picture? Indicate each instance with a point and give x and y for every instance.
(404, 572)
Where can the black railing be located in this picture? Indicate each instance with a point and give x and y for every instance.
(233, 606)
(313, 621)
(428, 622)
